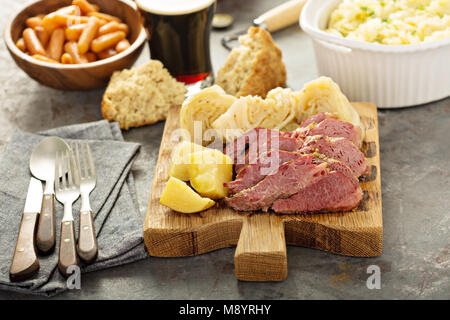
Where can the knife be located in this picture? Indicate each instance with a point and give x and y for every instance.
(25, 262)
(278, 18)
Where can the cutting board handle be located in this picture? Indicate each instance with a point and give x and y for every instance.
(261, 249)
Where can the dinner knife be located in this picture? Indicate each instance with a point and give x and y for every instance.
(25, 262)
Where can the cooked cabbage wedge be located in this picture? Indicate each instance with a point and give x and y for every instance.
(178, 196)
(205, 107)
(208, 171)
(180, 159)
(277, 111)
(324, 95)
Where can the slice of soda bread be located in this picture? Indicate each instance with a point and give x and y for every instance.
(255, 67)
(142, 95)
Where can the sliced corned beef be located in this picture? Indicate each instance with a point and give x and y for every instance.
(236, 148)
(331, 128)
(333, 192)
(253, 173)
(290, 178)
(317, 118)
(337, 148)
(256, 150)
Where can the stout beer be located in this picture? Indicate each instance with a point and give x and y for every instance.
(179, 36)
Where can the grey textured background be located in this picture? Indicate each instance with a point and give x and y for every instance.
(415, 161)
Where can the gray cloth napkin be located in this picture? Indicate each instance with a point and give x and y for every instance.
(116, 211)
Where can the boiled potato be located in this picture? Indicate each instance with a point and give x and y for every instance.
(178, 196)
(208, 171)
(180, 159)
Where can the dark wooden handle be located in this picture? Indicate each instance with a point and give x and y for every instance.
(25, 263)
(87, 241)
(46, 234)
(67, 247)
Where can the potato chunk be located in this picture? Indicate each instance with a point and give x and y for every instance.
(208, 171)
(178, 196)
(180, 159)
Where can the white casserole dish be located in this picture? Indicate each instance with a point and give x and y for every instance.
(391, 76)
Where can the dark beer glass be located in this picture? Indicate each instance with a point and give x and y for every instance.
(179, 36)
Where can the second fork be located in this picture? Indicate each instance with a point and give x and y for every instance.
(87, 240)
(67, 191)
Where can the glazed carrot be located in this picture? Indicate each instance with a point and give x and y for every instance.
(55, 47)
(43, 58)
(71, 48)
(73, 32)
(107, 41)
(104, 16)
(33, 22)
(122, 45)
(85, 6)
(69, 10)
(21, 45)
(111, 27)
(91, 57)
(32, 42)
(88, 35)
(55, 20)
(42, 35)
(66, 58)
(107, 53)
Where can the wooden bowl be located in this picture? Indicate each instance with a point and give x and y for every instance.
(76, 76)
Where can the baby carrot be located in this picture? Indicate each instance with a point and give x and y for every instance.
(66, 58)
(43, 58)
(107, 53)
(122, 45)
(21, 45)
(32, 42)
(111, 27)
(71, 48)
(104, 16)
(73, 32)
(33, 22)
(88, 35)
(42, 35)
(55, 47)
(85, 6)
(107, 41)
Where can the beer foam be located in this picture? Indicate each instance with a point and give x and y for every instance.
(173, 7)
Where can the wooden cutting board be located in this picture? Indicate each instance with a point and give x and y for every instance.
(261, 238)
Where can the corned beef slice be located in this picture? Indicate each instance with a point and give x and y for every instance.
(331, 128)
(334, 192)
(237, 147)
(337, 148)
(317, 118)
(276, 143)
(253, 173)
(339, 166)
(290, 178)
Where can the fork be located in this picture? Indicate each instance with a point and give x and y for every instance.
(66, 191)
(87, 241)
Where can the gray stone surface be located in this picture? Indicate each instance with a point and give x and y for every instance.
(415, 161)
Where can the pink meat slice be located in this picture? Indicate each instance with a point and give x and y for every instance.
(251, 174)
(277, 143)
(237, 147)
(333, 192)
(317, 118)
(290, 178)
(337, 148)
(331, 128)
